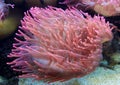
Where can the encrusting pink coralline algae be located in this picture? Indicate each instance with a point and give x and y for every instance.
(59, 44)
(104, 7)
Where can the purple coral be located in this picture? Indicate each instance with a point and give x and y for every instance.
(4, 9)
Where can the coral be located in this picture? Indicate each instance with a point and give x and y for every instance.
(8, 27)
(104, 7)
(59, 45)
(10, 23)
(4, 9)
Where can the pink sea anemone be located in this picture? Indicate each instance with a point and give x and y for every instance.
(59, 45)
(104, 7)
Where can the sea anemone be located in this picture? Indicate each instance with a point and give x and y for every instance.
(59, 44)
(104, 7)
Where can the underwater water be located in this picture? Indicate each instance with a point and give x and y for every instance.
(105, 72)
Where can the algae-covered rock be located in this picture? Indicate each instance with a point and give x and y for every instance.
(101, 76)
(115, 58)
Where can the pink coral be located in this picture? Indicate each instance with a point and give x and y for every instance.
(59, 45)
(103, 7)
